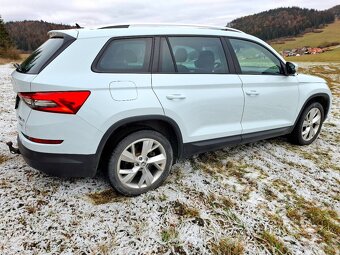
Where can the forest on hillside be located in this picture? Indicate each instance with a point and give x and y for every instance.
(28, 35)
(283, 22)
(335, 10)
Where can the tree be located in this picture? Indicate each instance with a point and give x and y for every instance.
(7, 49)
(5, 41)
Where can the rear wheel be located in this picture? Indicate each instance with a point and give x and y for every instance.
(309, 125)
(140, 162)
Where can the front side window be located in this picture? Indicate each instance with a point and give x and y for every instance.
(255, 59)
(126, 56)
(198, 55)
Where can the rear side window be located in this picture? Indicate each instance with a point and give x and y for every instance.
(42, 56)
(198, 55)
(125, 56)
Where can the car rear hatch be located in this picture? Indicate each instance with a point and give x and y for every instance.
(23, 76)
(26, 72)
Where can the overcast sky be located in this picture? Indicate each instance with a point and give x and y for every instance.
(101, 12)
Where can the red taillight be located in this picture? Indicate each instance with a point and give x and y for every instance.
(59, 102)
(43, 141)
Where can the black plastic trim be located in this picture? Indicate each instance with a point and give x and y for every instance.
(262, 135)
(193, 148)
(127, 121)
(116, 26)
(308, 100)
(172, 55)
(228, 55)
(156, 54)
(61, 165)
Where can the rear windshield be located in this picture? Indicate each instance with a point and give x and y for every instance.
(41, 56)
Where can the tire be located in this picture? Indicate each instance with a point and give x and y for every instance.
(301, 135)
(129, 165)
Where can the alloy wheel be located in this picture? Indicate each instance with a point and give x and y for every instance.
(141, 163)
(311, 124)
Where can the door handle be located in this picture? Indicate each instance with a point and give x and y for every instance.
(175, 97)
(252, 93)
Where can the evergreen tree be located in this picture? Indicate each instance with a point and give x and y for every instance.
(282, 22)
(7, 49)
(5, 41)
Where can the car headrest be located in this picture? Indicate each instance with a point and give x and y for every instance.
(181, 55)
(205, 59)
(126, 56)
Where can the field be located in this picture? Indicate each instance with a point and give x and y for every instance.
(268, 197)
(6, 60)
(330, 33)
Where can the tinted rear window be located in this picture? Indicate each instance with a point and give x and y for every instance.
(125, 56)
(36, 61)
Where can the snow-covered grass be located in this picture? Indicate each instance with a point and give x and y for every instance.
(268, 197)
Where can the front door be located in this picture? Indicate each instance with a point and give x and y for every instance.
(271, 97)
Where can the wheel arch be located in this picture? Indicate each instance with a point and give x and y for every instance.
(162, 124)
(322, 98)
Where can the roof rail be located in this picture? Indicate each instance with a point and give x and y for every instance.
(172, 25)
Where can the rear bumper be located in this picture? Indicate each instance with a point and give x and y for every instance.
(61, 165)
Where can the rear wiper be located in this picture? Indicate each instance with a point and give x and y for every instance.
(17, 66)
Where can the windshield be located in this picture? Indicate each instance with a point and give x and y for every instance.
(39, 57)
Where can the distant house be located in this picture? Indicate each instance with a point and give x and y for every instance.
(314, 50)
(301, 51)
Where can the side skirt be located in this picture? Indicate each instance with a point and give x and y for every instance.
(193, 148)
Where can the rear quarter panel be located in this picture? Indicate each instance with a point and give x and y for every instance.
(71, 70)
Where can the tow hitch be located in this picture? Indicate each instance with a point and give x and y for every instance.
(12, 149)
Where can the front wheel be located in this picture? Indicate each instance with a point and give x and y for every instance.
(140, 162)
(309, 125)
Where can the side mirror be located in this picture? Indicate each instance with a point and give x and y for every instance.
(291, 68)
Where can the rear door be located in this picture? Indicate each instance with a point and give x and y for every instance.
(197, 88)
(271, 97)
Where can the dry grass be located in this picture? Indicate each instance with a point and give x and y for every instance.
(170, 234)
(185, 211)
(22, 57)
(330, 33)
(273, 243)
(218, 202)
(105, 196)
(324, 220)
(294, 214)
(3, 158)
(228, 246)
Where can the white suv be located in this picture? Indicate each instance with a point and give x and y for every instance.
(133, 99)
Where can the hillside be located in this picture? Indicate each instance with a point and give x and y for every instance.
(330, 34)
(283, 22)
(335, 10)
(28, 35)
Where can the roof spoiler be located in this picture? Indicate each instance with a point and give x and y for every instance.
(63, 33)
